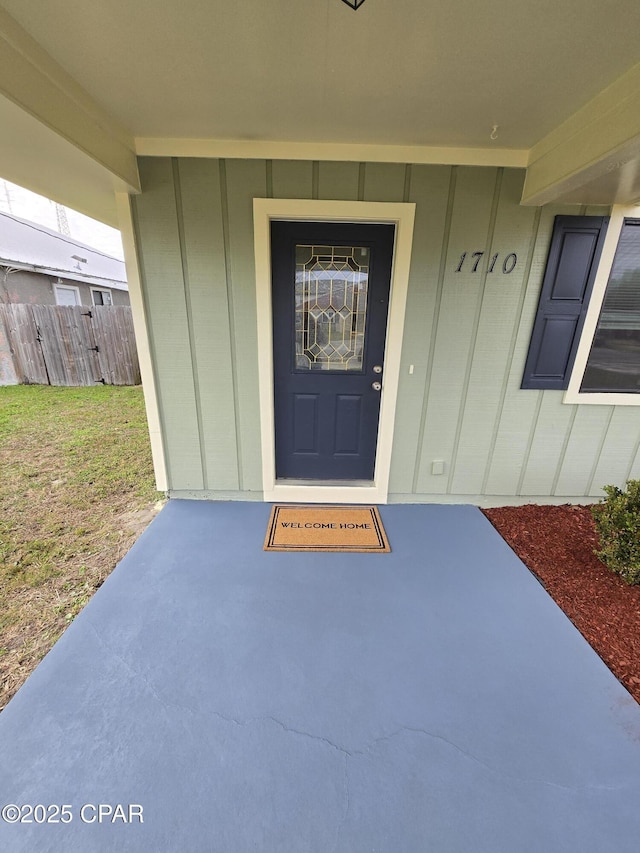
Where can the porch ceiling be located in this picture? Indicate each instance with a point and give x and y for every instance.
(407, 72)
(394, 73)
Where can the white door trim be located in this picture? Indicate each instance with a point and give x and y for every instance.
(402, 216)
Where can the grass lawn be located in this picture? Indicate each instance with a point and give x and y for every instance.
(76, 488)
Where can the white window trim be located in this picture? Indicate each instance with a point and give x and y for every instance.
(101, 290)
(60, 286)
(402, 216)
(573, 394)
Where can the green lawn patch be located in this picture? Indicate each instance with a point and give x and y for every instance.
(76, 488)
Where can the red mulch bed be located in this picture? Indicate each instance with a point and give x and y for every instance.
(557, 544)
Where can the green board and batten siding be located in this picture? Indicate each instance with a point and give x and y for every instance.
(466, 334)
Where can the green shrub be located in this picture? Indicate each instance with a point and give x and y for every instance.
(617, 519)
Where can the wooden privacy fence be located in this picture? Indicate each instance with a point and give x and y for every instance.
(71, 344)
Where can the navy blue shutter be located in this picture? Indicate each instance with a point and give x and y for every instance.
(576, 246)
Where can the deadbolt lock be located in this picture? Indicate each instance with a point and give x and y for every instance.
(377, 368)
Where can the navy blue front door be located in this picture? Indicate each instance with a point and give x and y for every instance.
(330, 303)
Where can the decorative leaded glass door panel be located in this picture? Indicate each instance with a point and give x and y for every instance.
(331, 306)
(330, 301)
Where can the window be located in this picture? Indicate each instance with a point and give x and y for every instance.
(101, 297)
(66, 294)
(607, 364)
(613, 364)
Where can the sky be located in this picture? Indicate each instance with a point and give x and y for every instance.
(43, 211)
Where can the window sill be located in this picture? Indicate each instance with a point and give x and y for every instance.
(601, 398)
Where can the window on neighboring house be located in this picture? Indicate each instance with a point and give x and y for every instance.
(613, 364)
(101, 297)
(66, 294)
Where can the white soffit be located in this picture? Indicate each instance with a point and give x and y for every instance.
(35, 82)
(40, 160)
(594, 156)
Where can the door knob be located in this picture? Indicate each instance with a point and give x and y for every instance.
(377, 386)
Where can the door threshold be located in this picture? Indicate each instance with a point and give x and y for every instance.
(326, 491)
(347, 484)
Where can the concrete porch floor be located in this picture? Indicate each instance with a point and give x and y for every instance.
(431, 699)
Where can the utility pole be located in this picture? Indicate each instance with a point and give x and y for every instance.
(63, 222)
(7, 194)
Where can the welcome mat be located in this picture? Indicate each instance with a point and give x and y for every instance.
(326, 528)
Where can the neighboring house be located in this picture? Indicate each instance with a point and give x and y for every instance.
(42, 267)
(390, 254)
